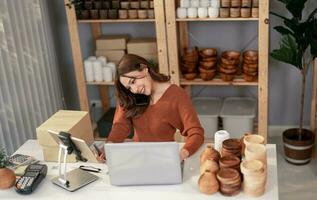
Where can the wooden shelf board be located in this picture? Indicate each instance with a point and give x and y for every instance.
(114, 20)
(216, 19)
(100, 83)
(218, 81)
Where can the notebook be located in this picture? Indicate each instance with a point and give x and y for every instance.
(143, 163)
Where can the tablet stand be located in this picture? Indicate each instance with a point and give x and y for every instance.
(76, 178)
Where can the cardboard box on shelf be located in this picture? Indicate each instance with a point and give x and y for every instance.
(77, 123)
(142, 46)
(149, 57)
(112, 42)
(112, 56)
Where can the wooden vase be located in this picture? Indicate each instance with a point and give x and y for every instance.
(208, 183)
(209, 153)
(209, 165)
(7, 178)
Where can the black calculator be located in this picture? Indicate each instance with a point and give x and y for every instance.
(32, 177)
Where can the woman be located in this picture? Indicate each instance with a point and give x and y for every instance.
(154, 107)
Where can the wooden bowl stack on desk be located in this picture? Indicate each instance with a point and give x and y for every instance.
(208, 63)
(229, 65)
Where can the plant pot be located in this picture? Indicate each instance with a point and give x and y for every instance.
(297, 151)
(7, 178)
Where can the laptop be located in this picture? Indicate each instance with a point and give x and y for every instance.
(143, 163)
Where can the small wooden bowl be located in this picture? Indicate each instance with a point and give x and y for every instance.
(235, 3)
(135, 4)
(224, 12)
(253, 66)
(190, 76)
(125, 5)
(249, 78)
(225, 3)
(208, 52)
(255, 12)
(142, 14)
(229, 162)
(207, 76)
(227, 71)
(123, 14)
(251, 54)
(203, 70)
(150, 14)
(208, 64)
(248, 69)
(227, 77)
(133, 14)
(226, 61)
(231, 55)
(225, 66)
(255, 3)
(246, 3)
(213, 58)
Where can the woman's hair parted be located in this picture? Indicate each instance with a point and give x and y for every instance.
(129, 63)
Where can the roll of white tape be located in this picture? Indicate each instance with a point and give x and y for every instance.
(215, 3)
(181, 13)
(213, 12)
(89, 70)
(185, 3)
(194, 3)
(107, 74)
(97, 65)
(202, 12)
(103, 60)
(192, 12)
(113, 69)
(220, 136)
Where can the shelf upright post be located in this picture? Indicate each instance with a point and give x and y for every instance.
(172, 41)
(263, 29)
(103, 89)
(77, 56)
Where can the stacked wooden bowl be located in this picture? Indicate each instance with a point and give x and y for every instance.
(254, 177)
(230, 162)
(207, 63)
(231, 147)
(250, 65)
(229, 65)
(230, 181)
(189, 63)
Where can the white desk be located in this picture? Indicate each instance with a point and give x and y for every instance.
(101, 189)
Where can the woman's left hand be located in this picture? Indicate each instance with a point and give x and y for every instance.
(183, 154)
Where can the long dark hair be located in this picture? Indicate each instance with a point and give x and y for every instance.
(126, 98)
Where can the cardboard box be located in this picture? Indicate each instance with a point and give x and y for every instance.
(112, 42)
(112, 56)
(51, 155)
(142, 46)
(77, 123)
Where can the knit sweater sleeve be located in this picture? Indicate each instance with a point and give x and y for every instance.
(121, 126)
(191, 127)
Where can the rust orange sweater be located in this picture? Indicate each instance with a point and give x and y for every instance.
(174, 110)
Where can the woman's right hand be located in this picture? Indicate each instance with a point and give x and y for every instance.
(101, 158)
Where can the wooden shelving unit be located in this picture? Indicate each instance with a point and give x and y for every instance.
(96, 25)
(177, 38)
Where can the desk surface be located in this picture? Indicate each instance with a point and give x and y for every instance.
(101, 189)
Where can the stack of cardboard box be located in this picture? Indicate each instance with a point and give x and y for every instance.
(144, 47)
(112, 47)
(77, 123)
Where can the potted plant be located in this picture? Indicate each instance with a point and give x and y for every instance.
(298, 47)
(7, 176)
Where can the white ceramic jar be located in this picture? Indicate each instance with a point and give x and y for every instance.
(181, 13)
(220, 136)
(204, 3)
(107, 74)
(215, 3)
(103, 60)
(89, 70)
(97, 65)
(192, 12)
(113, 69)
(202, 12)
(184, 3)
(213, 12)
(194, 3)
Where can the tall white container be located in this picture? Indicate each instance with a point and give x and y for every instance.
(208, 110)
(237, 115)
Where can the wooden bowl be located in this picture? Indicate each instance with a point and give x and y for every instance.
(208, 64)
(236, 3)
(226, 61)
(188, 70)
(190, 52)
(228, 66)
(231, 55)
(207, 59)
(227, 71)
(227, 77)
(224, 12)
(235, 12)
(250, 55)
(229, 162)
(190, 76)
(203, 70)
(207, 76)
(245, 12)
(208, 52)
(246, 3)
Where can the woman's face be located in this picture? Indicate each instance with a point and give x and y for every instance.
(138, 82)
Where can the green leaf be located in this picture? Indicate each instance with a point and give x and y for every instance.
(282, 30)
(296, 7)
(288, 52)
